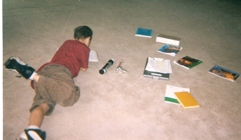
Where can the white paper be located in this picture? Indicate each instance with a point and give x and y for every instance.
(170, 91)
(93, 57)
(158, 65)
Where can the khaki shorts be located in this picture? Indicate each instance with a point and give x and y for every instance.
(55, 86)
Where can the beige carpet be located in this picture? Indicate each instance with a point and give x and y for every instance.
(117, 106)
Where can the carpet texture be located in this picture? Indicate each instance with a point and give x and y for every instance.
(117, 106)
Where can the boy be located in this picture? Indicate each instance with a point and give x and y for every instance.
(53, 82)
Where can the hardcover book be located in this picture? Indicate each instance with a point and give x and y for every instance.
(157, 68)
(169, 49)
(186, 100)
(224, 73)
(166, 39)
(170, 96)
(144, 32)
(188, 62)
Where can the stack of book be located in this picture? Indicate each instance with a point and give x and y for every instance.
(180, 96)
(171, 46)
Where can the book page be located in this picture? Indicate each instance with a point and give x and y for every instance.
(158, 65)
(170, 90)
(93, 57)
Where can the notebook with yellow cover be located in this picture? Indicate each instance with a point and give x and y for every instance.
(186, 100)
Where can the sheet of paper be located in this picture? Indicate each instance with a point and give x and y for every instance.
(93, 57)
(159, 65)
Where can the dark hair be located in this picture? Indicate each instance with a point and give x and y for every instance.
(82, 32)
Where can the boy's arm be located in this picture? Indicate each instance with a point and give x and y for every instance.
(83, 69)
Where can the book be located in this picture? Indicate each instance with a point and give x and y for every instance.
(188, 62)
(144, 32)
(93, 57)
(186, 100)
(170, 96)
(169, 49)
(157, 68)
(158, 65)
(156, 75)
(166, 39)
(224, 73)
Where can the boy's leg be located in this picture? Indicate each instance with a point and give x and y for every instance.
(35, 122)
(37, 115)
(16, 64)
(55, 85)
(60, 96)
(33, 132)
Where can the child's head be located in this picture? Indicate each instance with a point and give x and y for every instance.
(82, 32)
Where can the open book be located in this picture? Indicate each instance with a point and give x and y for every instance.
(93, 57)
(157, 68)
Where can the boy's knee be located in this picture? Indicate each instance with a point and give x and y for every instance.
(44, 107)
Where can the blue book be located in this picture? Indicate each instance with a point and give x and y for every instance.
(169, 49)
(144, 32)
(224, 73)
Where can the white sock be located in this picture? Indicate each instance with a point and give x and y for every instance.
(33, 127)
(24, 136)
(31, 77)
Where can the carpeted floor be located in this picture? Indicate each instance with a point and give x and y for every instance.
(117, 106)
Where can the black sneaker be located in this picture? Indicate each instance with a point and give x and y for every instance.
(33, 134)
(15, 64)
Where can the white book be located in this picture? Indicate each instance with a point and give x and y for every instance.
(168, 39)
(93, 57)
(170, 96)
